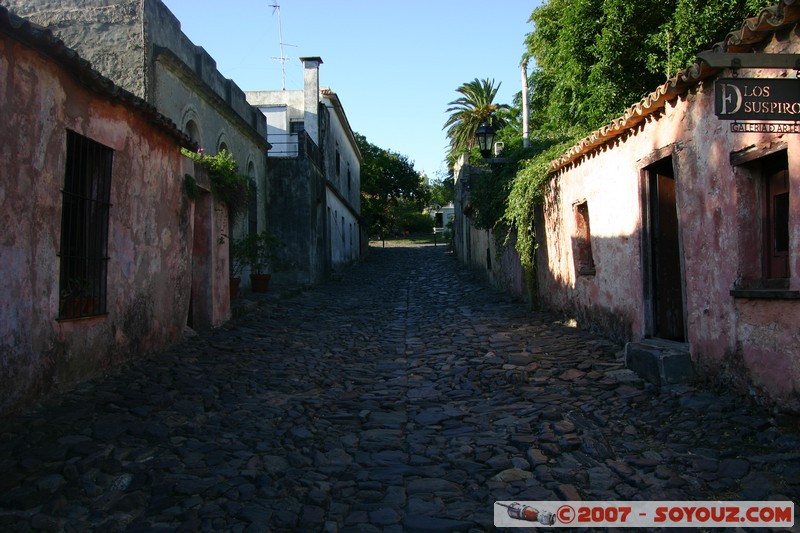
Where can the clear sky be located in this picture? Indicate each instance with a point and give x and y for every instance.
(394, 65)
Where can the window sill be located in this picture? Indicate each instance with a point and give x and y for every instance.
(766, 294)
(81, 318)
(586, 271)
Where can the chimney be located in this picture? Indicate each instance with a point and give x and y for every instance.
(311, 96)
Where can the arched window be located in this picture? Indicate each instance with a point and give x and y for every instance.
(193, 131)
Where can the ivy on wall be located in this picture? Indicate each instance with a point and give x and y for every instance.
(503, 196)
(527, 191)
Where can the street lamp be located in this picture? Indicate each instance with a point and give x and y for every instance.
(485, 134)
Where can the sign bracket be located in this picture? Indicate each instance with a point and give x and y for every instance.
(749, 60)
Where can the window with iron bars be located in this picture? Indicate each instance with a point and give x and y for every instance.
(84, 228)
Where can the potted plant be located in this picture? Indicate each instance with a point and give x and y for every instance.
(258, 251)
(77, 298)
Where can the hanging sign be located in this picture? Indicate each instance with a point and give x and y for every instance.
(757, 99)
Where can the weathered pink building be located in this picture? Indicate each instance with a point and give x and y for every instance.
(101, 243)
(666, 224)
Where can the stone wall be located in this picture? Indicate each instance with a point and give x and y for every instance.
(748, 339)
(149, 234)
(139, 45)
(484, 251)
(296, 208)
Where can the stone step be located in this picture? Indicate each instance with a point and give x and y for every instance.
(659, 361)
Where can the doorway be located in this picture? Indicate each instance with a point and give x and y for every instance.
(665, 307)
(201, 300)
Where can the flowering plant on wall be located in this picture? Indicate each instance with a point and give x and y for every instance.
(227, 185)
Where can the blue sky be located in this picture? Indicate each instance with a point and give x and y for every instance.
(394, 65)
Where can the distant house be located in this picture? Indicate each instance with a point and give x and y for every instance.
(443, 216)
(98, 231)
(139, 45)
(677, 228)
(313, 203)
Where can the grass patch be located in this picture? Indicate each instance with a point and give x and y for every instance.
(411, 240)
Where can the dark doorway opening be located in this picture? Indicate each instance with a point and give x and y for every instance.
(664, 273)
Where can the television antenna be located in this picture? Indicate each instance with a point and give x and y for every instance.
(282, 59)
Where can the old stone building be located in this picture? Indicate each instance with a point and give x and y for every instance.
(315, 167)
(98, 231)
(674, 228)
(677, 229)
(139, 45)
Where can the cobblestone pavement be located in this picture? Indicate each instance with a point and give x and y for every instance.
(407, 396)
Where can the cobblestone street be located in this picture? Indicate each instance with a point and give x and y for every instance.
(407, 396)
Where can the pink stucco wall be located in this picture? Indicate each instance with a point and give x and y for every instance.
(612, 297)
(748, 343)
(149, 243)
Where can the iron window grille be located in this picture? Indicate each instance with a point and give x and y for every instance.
(84, 228)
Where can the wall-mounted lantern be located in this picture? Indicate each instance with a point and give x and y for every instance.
(485, 135)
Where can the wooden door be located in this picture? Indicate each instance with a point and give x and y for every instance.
(777, 225)
(666, 282)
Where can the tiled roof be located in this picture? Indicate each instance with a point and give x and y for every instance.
(44, 41)
(754, 31)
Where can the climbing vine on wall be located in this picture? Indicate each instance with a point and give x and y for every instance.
(527, 191)
(227, 185)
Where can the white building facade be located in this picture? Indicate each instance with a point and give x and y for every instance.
(310, 127)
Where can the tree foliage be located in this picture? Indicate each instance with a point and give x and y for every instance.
(389, 186)
(441, 192)
(595, 58)
(696, 25)
(227, 185)
(475, 106)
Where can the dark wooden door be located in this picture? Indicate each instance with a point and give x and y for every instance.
(777, 223)
(668, 316)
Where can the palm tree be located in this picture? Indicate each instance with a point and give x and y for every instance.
(474, 107)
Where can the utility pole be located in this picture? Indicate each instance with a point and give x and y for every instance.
(526, 141)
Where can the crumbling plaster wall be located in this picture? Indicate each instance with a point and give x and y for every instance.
(107, 33)
(149, 232)
(749, 343)
(139, 45)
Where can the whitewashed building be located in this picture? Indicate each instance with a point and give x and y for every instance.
(314, 200)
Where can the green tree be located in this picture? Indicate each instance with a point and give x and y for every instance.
(475, 106)
(695, 26)
(595, 58)
(442, 191)
(389, 186)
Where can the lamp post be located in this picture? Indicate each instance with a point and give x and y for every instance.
(485, 135)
